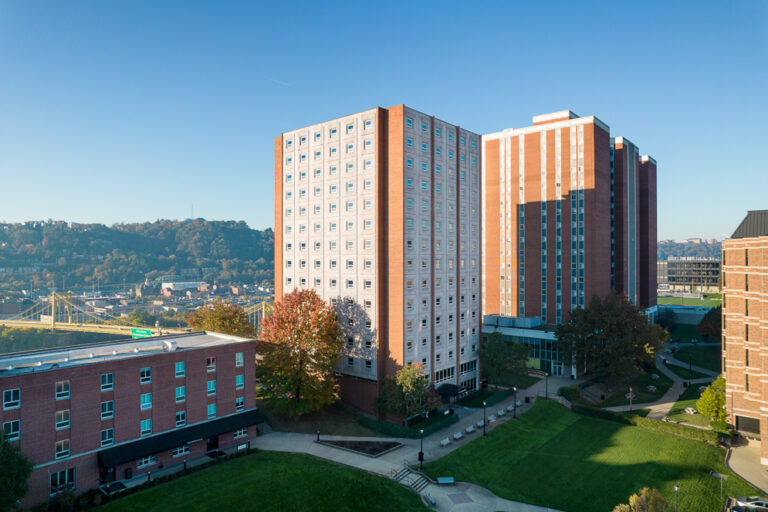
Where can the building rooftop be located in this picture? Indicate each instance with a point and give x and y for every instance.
(62, 357)
(754, 225)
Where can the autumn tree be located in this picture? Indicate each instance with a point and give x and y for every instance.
(15, 469)
(223, 317)
(645, 500)
(502, 359)
(303, 342)
(711, 326)
(712, 401)
(611, 338)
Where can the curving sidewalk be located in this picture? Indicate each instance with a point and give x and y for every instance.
(461, 497)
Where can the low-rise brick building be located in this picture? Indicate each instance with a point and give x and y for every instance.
(94, 414)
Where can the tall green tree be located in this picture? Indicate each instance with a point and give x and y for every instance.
(502, 359)
(611, 338)
(15, 469)
(646, 499)
(712, 401)
(407, 394)
(303, 342)
(222, 317)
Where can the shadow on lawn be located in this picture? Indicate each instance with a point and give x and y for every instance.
(553, 457)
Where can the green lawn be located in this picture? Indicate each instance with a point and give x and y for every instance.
(685, 332)
(640, 390)
(685, 373)
(706, 356)
(273, 481)
(710, 302)
(491, 397)
(688, 399)
(333, 420)
(521, 381)
(553, 457)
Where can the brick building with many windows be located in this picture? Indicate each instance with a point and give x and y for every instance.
(745, 327)
(94, 414)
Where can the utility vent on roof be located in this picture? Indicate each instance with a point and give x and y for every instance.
(169, 346)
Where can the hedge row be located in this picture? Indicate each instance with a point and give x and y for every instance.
(570, 393)
(394, 430)
(696, 434)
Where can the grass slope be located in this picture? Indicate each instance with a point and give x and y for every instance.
(334, 420)
(640, 390)
(688, 398)
(710, 302)
(553, 457)
(268, 481)
(685, 373)
(706, 356)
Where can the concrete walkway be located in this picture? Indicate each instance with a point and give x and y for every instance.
(671, 360)
(462, 497)
(744, 460)
(661, 407)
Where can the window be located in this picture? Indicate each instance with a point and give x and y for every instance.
(62, 448)
(239, 381)
(62, 389)
(211, 387)
(107, 381)
(241, 432)
(409, 122)
(181, 418)
(63, 480)
(240, 404)
(240, 356)
(181, 450)
(181, 394)
(368, 124)
(210, 364)
(211, 411)
(146, 401)
(145, 461)
(350, 361)
(107, 437)
(62, 419)
(368, 364)
(12, 430)
(146, 427)
(107, 409)
(145, 375)
(11, 398)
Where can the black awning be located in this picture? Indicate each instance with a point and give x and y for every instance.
(448, 390)
(139, 448)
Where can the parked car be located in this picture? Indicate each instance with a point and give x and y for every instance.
(753, 503)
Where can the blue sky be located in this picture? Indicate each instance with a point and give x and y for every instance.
(121, 111)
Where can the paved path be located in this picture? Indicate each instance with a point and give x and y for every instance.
(744, 460)
(462, 497)
(661, 407)
(671, 360)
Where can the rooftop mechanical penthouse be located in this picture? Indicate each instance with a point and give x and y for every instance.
(94, 414)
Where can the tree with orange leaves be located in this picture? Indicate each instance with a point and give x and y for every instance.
(302, 345)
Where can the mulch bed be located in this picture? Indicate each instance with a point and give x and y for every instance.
(367, 448)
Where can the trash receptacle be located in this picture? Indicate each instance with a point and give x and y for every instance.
(527, 399)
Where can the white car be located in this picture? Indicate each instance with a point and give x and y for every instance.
(754, 503)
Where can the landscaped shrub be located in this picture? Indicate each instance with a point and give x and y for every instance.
(399, 431)
(570, 393)
(602, 414)
(696, 434)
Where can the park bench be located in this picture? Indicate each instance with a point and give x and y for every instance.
(470, 429)
(445, 442)
(501, 412)
(430, 500)
(480, 424)
(445, 480)
(458, 435)
(491, 418)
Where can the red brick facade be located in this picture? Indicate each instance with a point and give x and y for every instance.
(39, 405)
(745, 335)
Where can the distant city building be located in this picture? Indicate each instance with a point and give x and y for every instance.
(568, 213)
(379, 212)
(689, 274)
(183, 286)
(93, 414)
(745, 327)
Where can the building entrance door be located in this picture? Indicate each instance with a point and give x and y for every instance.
(557, 369)
(212, 444)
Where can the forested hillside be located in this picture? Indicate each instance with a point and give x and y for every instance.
(668, 248)
(68, 255)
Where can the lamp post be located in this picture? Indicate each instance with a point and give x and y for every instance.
(421, 450)
(514, 388)
(630, 399)
(546, 386)
(484, 403)
(318, 436)
(677, 488)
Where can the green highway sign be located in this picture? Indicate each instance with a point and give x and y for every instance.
(140, 333)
